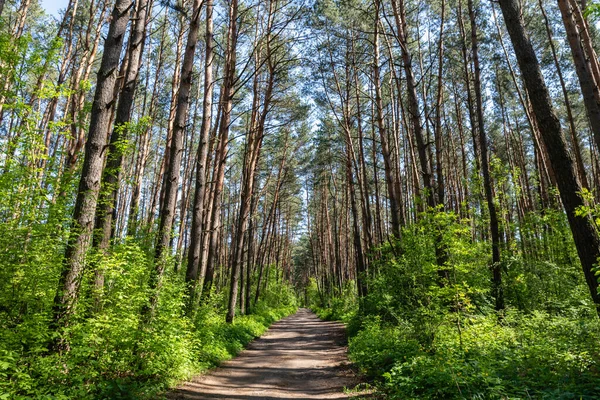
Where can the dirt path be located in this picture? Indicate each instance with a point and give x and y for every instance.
(300, 357)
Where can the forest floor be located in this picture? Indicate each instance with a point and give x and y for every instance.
(300, 357)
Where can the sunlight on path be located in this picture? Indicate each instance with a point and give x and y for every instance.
(300, 357)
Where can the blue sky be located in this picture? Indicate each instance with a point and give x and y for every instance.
(53, 6)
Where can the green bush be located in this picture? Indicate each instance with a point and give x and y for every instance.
(110, 356)
(419, 337)
(375, 348)
(340, 308)
(527, 356)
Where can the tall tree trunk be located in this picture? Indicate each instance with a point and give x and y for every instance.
(104, 224)
(250, 259)
(441, 248)
(584, 233)
(162, 176)
(438, 114)
(589, 87)
(413, 101)
(201, 191)
(497, 290)
(395, 202)
(253, 148)
(173, 171)
(563, 86)
(172, 174)
(89, 186)
(228, 91)
(466, 64)
(144, 147)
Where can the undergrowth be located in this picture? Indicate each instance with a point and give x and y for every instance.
(526, 356)
(415, 337)
(110, 357)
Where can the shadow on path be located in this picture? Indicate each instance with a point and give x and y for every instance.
(300, 357)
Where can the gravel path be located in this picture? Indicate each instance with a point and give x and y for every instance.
(299, 357)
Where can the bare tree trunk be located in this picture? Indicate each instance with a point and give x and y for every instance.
(572, 128)
(201, 191)
(172, 174)
(115, 153)
(143, 150)
(89, 185)
(438, 115)
(173, 171)
(589, 88)
(221, 155)
(584, 233)
(466, 64)
(253, 148)
(250, 259)
(395, 202)
(413, 102)
(497, 290)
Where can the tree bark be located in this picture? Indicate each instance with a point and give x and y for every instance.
(173, 172)
(497, 291)
(413, 102)
(585, 235)
(89, 184)
(563, 86)
(104, 224)
(395, 202)
(201, 190)
(224, 125)
(589, 87)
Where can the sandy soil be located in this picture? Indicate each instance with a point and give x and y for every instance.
(299, 357)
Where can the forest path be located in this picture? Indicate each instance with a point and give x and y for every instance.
(299, 357)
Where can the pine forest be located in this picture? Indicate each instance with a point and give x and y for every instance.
(178, 175)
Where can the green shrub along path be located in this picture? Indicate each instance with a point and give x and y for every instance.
(110, 357)
(416, 339)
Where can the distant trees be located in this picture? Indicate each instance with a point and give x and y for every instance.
(173, 157)
(497, 289)
(196, 267)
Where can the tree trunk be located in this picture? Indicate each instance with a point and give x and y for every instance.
(172, 174)
(584, 233)
(104, 224)
(413, 102)
(395, 202)
(589, 88)
(89, 185)
(201, 191)
(563, 86)
(497, 290)
(173, 171)
(224, 125)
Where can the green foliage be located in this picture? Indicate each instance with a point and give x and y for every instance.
(526, 356)
(592, 11)
(419, 336)
(111, 355)
(376, 347)
(340, 308)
